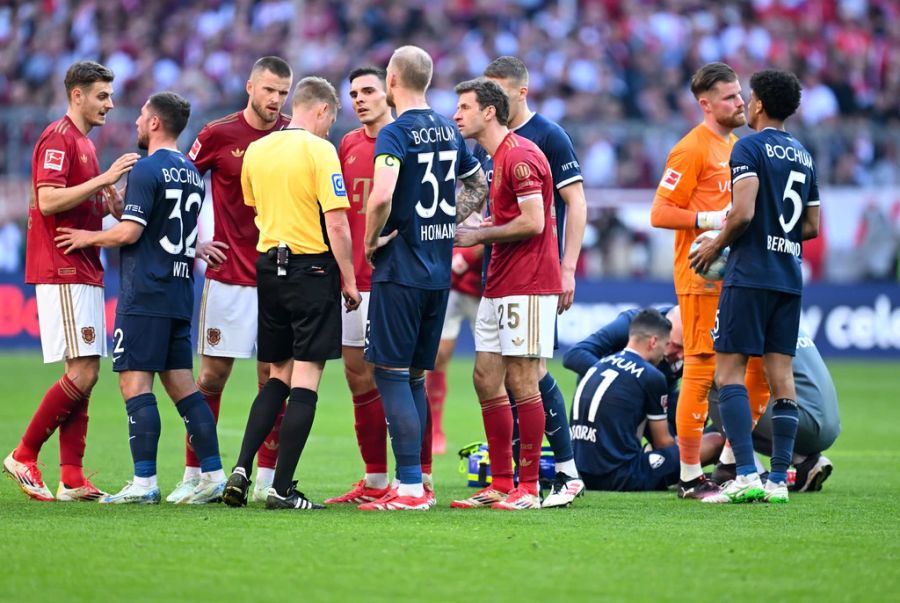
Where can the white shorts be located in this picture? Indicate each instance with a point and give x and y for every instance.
(460, 306)
(353, 324)
(517, 325)
(72, 320)
(228, 317)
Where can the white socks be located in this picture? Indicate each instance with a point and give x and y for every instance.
(214, 476)
(691, 472)
(377, 480)
(414, 490)
(568, 467)
(264, 476)
(145, 482)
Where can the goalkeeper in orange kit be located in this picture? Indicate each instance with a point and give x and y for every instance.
(694, 195)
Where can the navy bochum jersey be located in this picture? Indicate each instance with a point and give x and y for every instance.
(164, 193)
(432, 157)
(555, 144)
(610, 406)
(767, 254)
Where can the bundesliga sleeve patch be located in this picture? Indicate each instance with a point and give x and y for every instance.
(195, 149)
(337, 182)
(670, 179)
(53, 159)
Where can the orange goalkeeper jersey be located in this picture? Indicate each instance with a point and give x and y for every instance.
(697, 178)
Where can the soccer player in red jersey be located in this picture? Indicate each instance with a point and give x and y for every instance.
(357, 154)
(68, 190)
(516, 318)
(228, 308)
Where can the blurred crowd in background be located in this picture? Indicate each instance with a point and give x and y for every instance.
(614, 73)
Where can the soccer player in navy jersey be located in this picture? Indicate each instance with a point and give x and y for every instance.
(775, 207)
(158, 234)
(617, 397)
(613, 338)
(571, 214)
(418, 159)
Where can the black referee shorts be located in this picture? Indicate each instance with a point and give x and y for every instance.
(299, 314)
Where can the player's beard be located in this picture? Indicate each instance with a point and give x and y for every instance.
(263, 114)
(734, 121)
(143, 141)
(390, 99)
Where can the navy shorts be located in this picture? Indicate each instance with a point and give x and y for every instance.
(403, 328)
(654, 470)
(151, 343)
(756, 321)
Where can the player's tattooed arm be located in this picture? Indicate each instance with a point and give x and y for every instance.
(472, 196)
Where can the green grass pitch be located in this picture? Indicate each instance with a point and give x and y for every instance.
(842, 544)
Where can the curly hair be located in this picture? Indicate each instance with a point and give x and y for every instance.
(778, 91)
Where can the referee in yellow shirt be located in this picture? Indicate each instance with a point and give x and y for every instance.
(293, 179)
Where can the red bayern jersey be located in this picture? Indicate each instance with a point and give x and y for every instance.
(529, 266)
(220, 147)
(357, 155)
(469, 282)
(63, 158)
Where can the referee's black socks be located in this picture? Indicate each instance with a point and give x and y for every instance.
(262, 417)
(295, 428)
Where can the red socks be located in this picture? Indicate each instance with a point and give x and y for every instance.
(267, 453)
(371, 430)
(72, 441)
(62, 399)
(531, 435)
(436, 391)
(498, 427)
(214, 400)
(427, 438)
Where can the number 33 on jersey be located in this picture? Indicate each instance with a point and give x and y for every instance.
(164, 194)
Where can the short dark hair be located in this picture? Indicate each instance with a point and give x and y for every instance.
(778, 91)
(507, 68)
(172, 109)
(276, 65)
(315, 89)
(488, 94)
(709, 75)
(368, 70)
(85, 73)
(649, 322)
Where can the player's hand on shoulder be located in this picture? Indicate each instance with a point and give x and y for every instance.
(71, 239)
(120, 167)
(212, 252)
(352, 297)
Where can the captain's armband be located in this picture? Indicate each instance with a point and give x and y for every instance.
(387, 161)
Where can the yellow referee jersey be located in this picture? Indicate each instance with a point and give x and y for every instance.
(290, 176)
